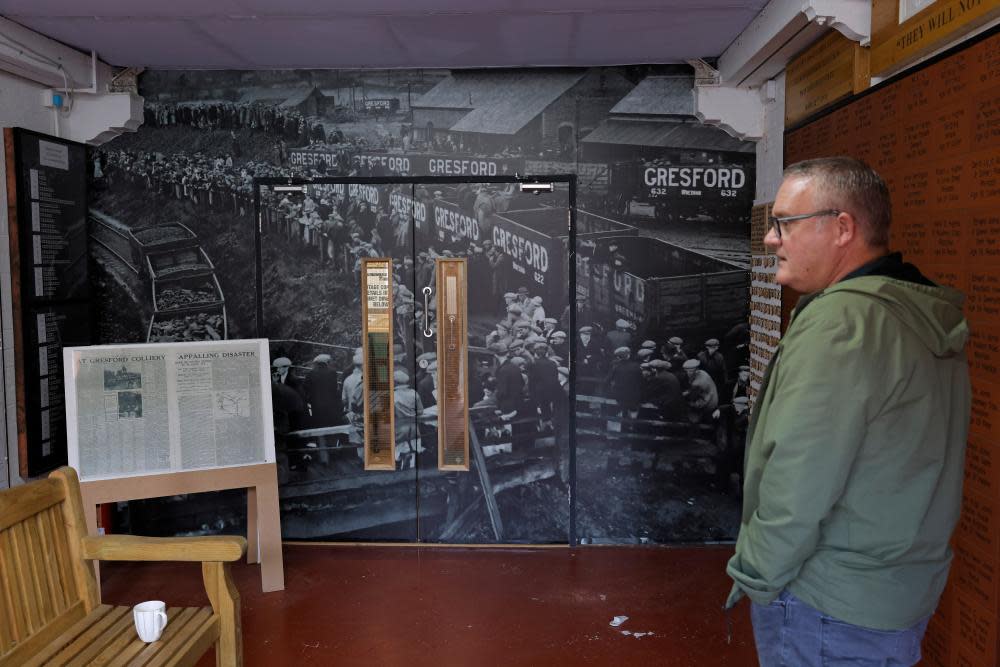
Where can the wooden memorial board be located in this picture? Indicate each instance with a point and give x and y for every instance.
(905, 30)
(828, 71)
(50, 288)
(758, 228)
(765, 318)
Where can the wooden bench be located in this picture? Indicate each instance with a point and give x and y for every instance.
(50, 605)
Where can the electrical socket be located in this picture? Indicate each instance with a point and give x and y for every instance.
(53, 99)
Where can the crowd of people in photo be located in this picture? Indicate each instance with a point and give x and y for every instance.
(216, 183)
(519, 375)
(286, 123)
(520, 364)
(346, 229)
(518, 379)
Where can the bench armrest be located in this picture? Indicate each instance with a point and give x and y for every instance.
(224, 549)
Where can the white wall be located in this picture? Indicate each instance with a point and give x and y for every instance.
(20, 106)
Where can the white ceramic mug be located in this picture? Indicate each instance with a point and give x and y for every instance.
(150, 619)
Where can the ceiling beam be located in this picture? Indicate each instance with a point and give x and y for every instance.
(783, 29)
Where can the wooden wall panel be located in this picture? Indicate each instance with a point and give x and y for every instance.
(895, 44)
(830, 70)
(934, 135)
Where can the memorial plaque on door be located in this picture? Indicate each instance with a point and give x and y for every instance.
(376, 322)
(453, 365)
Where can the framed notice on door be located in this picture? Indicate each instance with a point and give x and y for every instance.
(376, 300)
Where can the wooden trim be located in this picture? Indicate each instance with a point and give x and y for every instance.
(10, 155)
(386, 328)
(862, 69)
(446, 268)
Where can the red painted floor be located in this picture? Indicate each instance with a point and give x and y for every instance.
(364, 605)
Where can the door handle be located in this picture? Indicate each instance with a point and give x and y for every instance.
(427, 312)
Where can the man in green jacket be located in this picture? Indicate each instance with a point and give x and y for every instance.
(853, 475)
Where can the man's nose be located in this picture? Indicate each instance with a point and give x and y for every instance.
(771, 239)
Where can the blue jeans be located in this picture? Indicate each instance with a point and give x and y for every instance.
(790, 633)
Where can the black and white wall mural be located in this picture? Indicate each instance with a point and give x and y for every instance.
(661, 290)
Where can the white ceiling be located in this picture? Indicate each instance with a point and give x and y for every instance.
(257, 34)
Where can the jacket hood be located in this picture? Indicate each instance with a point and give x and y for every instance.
(932, 312)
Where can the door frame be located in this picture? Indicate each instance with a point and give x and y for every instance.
(571, 256)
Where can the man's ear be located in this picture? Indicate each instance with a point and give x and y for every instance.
(847, 229)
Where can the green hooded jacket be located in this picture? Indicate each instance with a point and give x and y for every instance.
(854, 468)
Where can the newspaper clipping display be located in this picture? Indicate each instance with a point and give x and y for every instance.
(168, 407)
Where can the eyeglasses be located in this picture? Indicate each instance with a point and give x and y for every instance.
(776, 222)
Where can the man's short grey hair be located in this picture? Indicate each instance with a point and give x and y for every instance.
(850, 185)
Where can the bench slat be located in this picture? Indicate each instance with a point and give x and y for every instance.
(53, 575)
(177, 618)
(29, 603)
(88, 636)
(159, 653)
(44, 643)
(8, 622)
(60, 553)
(123, 627)
(187, 653)
(128, 644)
(39, 570)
